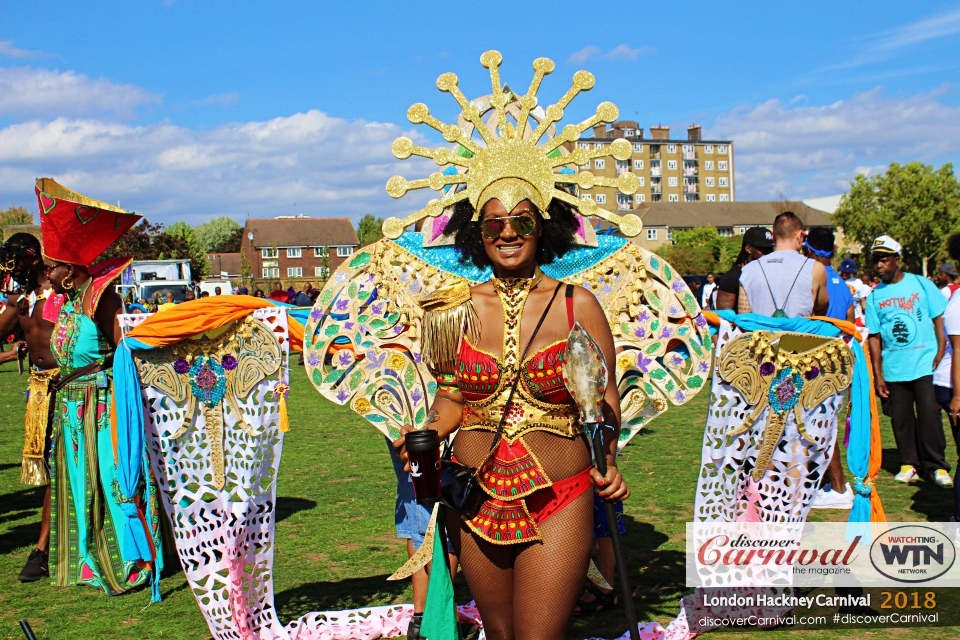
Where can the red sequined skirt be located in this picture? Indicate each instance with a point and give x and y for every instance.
(520, 496)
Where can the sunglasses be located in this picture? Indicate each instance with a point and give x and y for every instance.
(523, 225)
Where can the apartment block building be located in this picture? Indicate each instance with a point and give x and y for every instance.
(691, 170)
(297, 248)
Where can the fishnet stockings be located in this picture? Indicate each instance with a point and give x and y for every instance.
(528, 591)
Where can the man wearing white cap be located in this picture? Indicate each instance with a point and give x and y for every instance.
(904, 316)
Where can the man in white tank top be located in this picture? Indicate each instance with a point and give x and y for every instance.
(784, 284)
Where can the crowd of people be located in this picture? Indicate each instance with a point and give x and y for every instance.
(909, 322)
(163, 300)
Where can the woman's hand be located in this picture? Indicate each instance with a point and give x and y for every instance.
(399, 443)
(612, 486)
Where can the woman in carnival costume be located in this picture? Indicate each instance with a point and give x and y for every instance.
(105, 532)
(413, 319)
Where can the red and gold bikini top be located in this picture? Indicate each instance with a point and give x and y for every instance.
(542, 402)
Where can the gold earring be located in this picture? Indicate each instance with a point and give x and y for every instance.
(63, 283)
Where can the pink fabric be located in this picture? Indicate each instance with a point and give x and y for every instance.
(752, 497)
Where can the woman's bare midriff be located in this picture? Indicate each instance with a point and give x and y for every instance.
(560, 457)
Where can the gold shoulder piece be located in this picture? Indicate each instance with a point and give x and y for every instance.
(449, 316)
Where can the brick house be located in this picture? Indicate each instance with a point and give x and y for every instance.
(297, 249)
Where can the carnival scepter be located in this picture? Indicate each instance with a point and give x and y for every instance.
(585, 375)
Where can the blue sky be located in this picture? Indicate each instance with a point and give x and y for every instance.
(186, 109)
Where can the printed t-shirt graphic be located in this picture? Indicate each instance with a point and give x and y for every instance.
(902, 314)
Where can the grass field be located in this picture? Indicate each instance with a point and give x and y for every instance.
(336, 542)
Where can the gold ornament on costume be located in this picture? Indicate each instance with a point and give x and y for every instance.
(780, 372)
(509, 165)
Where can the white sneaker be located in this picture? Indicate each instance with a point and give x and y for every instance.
(942, 478)
(833, 499)
(907, 474)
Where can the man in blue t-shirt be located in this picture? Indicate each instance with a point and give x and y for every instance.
(820, 246)
(904, 316)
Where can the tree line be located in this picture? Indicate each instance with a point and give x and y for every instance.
(915, 204)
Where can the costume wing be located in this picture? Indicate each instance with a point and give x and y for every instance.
(362, 339)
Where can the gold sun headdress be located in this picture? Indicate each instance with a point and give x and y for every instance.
(509, 165)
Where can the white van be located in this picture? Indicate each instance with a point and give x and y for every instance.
(210, 286)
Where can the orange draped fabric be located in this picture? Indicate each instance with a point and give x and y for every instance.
(205, 314)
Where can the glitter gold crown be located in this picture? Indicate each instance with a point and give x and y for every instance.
(509, 164)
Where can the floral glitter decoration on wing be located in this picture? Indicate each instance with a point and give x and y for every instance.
(229, 362)
(207, 380)
(181, 366)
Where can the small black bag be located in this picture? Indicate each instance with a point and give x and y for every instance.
(459, 485)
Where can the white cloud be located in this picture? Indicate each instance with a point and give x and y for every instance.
(221, 99)
(620, 52)
(8, 50)
(581, 56)
(40, 92)
(327, 166)
(940, 26)
(623, 52)
(807, 151)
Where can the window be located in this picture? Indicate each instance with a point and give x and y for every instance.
(651, 234)
(601, 199)
(623, 166)
(687, 148)
(269, 252)
(711, 197)
(689, 197)
(671, 148)
(294, 272)
(708, 165)
(294, 253)
(321, 272)
(722, 148)
(271, 272)
(710, 181)
(672, 165)
(583, 145)
(623, 202)
(743, 230)
(723, 182)
(669, 233)
(343, 252)
(638, 148)
(638, 164)
(639, 197)
(721, 165)
(671, 182)
(708, 148)
(598, 164)
(598, 145)
(674, 197)
(725, 232)
(628, 133)
(642, 180)
(656, 197)
(320, 252)
(724, 197)
(586, 196)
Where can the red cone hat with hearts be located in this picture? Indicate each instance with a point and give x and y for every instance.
(75, 228)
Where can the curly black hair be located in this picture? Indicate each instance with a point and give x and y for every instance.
(558, 237)
(953, 247)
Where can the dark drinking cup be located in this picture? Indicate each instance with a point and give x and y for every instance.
(423, 447)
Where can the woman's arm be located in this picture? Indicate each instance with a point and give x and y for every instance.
(590, 315)
(107, 314)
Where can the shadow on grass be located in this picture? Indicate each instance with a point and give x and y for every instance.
(12, 465)
(351, 593)
(286, 507)
(935, 503)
